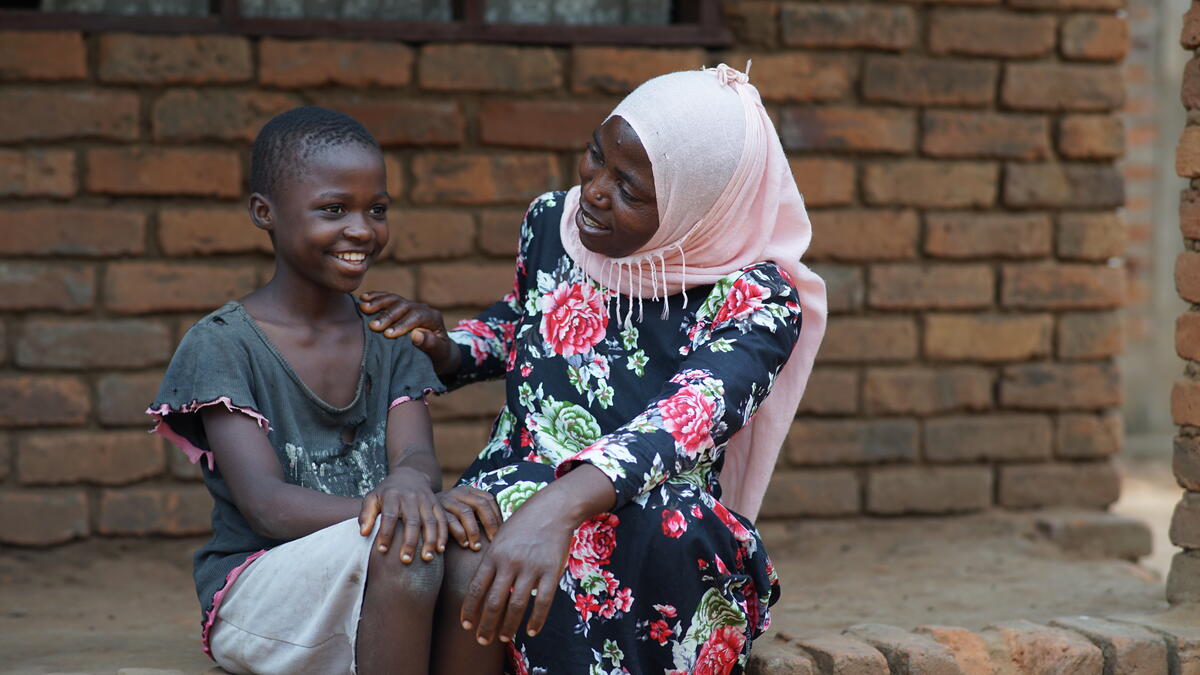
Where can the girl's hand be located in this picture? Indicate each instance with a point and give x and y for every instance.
(469, 508)
(398, 315)
(405, 495)
(528, 554)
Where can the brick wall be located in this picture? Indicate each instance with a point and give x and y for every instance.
(957, 161)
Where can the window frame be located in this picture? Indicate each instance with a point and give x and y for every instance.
(699, 25)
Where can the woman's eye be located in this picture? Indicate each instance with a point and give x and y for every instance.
(628, 197)
(594, 153)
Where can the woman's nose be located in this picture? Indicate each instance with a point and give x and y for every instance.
(596, 192)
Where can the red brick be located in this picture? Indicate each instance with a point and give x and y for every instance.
(29, 114)
(398, 279)
(905, 651)
(933, 185)
(465, 178)
(43, 400)
(948, 133)
(989, 32)
(866, 338)
(970, 234)
(86, 343)
(835, 653)
(1127, 648)
(6, 455)
(71, 231)
(175, 59)
(924, 489)
(902, 286)
(816, 442)
(180, 467)
(425, 235)
(916, 80)
(459, 443)
(166, 509)
(60, 287)
(469, 67)
(481, 400)
(42, 55)
(1093, 37)
(1087, 436)
(30, 173)
(1187, 276)
(550, 125)
(1190, 37)
(1090, 335)
(753, 22)
(849, 129)
(974, 438)
(42, 517)
(464, 284)
(1068, 4)
(798, 76)
(315, 63)
(923, 391)
(403, 122)
(1061, 386)
(1090, 236)
(1185, 402)
(864, 235)
(987, 337)
(868, 26)
(1083, 484)
(830, 391)
(1187, 336)
(164, 171)
(212, 114)
(1062, 286)
(498, 231)
(1091, 137)
(1183, 588)
(1187, 153)
(844, 287)
(103, 457)
(824, 182)
(1190, 94)
(1055, 86)
(1189, 213)
(1098, 186)
(1186, 462)
(145, 287)
(395, 176)
(1026, 647)
(121, 399)
(795, 494)
(619, 70)
(204, 231)
(969, 650)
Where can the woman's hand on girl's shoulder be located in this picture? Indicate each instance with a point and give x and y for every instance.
(468, 509)
(397, 315)
(405, 495)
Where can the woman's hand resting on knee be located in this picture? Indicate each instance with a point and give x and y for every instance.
(396, 315)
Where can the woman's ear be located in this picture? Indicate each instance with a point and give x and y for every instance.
(261, 212)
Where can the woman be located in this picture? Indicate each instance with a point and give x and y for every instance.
(654, 357)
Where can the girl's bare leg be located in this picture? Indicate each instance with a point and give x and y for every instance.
(455, 650)
(395, 628)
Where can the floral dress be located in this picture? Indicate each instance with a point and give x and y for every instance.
(669, 581)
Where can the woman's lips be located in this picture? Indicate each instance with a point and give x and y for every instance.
(588, 225)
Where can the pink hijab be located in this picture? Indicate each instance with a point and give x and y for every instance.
(726, 199)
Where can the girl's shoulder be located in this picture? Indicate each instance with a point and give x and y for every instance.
(221, 334)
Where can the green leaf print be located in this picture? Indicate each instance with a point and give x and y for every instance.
(713, 612)
(716, 297)
(605, 393)
(512, 497)
(629, 337)
(563, 429)
(612, 652)
(721, 345)
(503, 428)
(637, 362)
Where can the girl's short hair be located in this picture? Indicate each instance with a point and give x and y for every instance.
(290, 138)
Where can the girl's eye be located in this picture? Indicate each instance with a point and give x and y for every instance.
(336, 209)
(379, 210)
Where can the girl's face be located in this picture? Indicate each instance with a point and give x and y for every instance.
(329, 221)
(618, 211)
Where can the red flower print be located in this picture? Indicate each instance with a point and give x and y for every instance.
(720, 565)
(526, 369)
(745, 297)
(511, 362)
(482, 332)
(696, 512)
(517, 659)
(610, 581)
(687, 415)
(666, 610)
(673, 523)
(624, 599)
(609, 609)
(720, 652)
(592, 545)
(574, 318)
(751, 607)
(586, 605)
(739, 531)
(660, 631)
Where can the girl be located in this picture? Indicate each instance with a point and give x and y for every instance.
(313, 432)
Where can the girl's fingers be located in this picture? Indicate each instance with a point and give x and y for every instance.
(366, 517)
(443, 527)
(477, 589)
(541, 604)
(412, 529)
(387, 531)
(518, 602)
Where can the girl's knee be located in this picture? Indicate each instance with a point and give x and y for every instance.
(416, 582)
(460, 567)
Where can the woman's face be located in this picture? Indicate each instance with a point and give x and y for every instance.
(618, 210)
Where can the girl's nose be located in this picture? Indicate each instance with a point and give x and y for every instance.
(357, 228)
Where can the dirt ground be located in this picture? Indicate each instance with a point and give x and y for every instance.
(104, 605)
